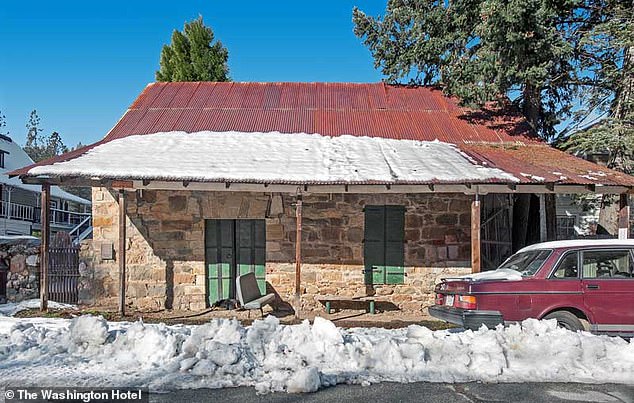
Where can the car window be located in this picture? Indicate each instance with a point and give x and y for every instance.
(526, 263)
(614, 263)
(567, 267)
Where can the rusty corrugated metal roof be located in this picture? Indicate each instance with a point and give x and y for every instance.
(500, 138)
(542, 163)
(333, 109)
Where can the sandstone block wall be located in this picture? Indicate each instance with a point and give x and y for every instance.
(166, 255)
(437, 229)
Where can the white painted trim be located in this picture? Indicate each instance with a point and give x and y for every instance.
(623, 233)
(612, 328)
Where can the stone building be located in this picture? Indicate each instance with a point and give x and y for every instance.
(389, 188)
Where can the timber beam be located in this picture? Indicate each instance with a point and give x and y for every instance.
(122, 251)
(298, 257)
(624, 217)
(475, 235)
(45, 215)
(465, 188)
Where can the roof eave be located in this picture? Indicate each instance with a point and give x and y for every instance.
(479, 187)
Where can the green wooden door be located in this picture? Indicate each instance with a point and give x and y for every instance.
(233, 247)
(251, 247)
(384, 244)
(220, 258)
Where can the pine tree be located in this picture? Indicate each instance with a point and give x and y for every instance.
(54, 146)
(482, 51)
(3, 125)
(606, 53)
(38, 146)
(194, 56)
(33, 146)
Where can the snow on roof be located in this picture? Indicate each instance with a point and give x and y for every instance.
(276, 158)
(579, 243)
(15, 158)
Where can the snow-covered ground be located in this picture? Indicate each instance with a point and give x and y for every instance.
(12, 308)
(88, 351)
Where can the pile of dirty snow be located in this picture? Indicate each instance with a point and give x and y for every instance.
(88, 351)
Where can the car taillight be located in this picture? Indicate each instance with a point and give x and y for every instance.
(440, 299)
(466, 302)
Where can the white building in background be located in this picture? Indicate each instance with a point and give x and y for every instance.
(20, 203)
(577, 217)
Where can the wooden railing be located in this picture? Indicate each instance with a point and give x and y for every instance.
(15, 211)
(69, 218)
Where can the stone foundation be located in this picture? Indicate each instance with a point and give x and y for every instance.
(23, 259)
(166, 247)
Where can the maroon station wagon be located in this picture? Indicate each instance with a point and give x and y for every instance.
(583, 284)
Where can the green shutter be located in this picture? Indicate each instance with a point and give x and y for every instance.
(374, 245)
(394, 244)
(384, 244)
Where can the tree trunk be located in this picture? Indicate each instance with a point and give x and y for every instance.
(624, 97)
(531, 107)
(622, 111)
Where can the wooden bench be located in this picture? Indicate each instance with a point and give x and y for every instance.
(328, 299)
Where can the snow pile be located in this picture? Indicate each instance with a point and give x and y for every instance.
(498, 274)
(275, 157)
(12, 308)
(88, 330)
(271, 357)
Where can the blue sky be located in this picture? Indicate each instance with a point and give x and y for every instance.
(82, 63)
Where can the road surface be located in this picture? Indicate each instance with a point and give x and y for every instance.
(419, 392)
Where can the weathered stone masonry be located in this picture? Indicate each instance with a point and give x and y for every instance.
(22, 277)
(166, 254)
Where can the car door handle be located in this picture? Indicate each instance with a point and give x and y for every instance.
(593, 286)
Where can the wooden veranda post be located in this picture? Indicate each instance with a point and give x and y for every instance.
(551, 216)
(122, 242)
(298, 256)
(475, 235)
(543, 230)
(44, 246)
(624, 217)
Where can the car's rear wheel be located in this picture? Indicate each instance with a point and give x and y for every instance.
(566, 320)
